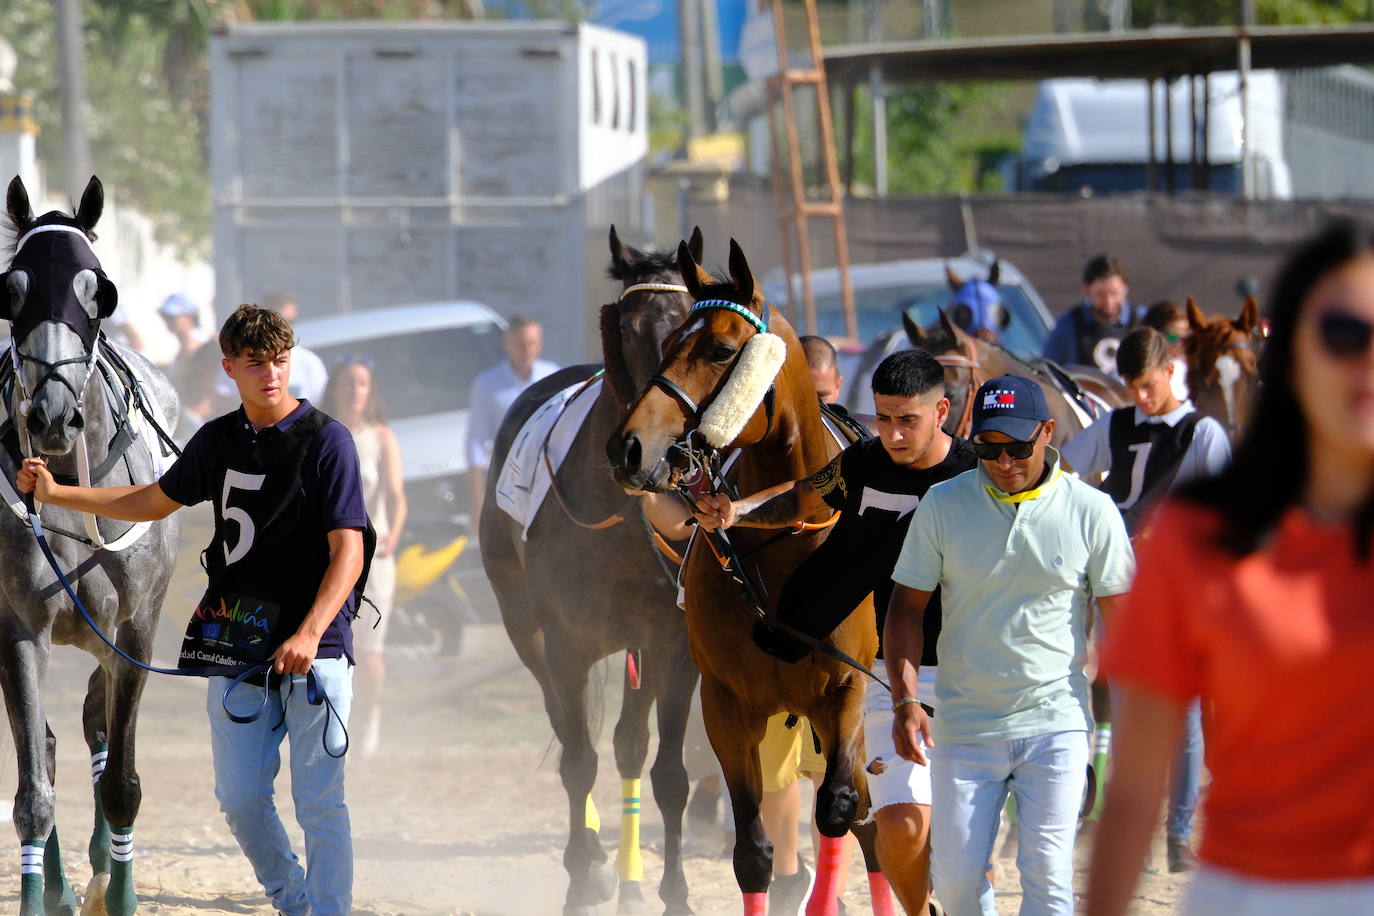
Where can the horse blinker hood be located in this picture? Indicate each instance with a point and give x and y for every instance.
(55, 276)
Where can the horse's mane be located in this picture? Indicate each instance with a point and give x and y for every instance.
(648, 264)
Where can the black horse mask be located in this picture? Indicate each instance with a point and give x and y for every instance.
(55, 276)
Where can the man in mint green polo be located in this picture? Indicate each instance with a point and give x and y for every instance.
(1019, 551)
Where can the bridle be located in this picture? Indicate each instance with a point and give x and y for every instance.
(974, 367)
(1233, 426)
(50, 372)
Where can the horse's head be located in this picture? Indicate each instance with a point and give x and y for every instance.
(976, 306)
(54, 296)
(958, 353)
(653, 302)
(712, 388)
(1223, 367)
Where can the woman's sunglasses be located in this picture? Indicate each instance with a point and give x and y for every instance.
(366, 362)
(1343, 335)
(1019, 451)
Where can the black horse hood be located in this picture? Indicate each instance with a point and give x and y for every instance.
(55, 276)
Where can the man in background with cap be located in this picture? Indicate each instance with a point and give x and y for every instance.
(1018, 550)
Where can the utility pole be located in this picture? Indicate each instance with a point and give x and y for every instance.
(714, 78)
(689, 35)
(1245, 15)
(71, 55)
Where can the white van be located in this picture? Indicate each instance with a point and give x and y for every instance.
(424, 359)
(1091, 135)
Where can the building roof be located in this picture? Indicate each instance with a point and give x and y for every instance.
(1131, 55)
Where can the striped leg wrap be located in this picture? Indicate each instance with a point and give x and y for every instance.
(31, 859)
(122, 846)
(628, 863)
(98, 764)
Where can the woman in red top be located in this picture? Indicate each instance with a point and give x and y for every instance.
(1253, 592)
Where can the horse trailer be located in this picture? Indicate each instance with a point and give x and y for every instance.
(361, 165)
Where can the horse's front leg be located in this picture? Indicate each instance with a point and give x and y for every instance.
(24, 668)
(119, 790)
(96, 731)
(631, 748)
(676, 675)
(735, 738)
(844, 789)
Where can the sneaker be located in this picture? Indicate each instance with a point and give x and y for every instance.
(1181, 858)
(788, 893)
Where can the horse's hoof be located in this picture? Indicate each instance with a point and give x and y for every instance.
(678, 909)
(93, 901)
(631, 900)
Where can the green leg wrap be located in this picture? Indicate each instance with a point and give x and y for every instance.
(120, 899)
(31, 878)
(98, 851)
(58, 899)
(1103, 744)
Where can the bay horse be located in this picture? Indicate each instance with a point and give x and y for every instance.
(588, 582)
(969, 361)
(1223, 364)
(64, 399)
(741, 362)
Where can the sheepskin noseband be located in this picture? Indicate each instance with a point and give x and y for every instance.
(750, 378)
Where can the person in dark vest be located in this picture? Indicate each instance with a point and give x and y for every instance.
(1146, 451)
(1089, 333)
(289, 551)
(875, 484)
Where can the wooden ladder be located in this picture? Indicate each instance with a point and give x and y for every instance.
(795, 207)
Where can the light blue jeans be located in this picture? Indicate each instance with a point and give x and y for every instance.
(247, 758)
(970, 783)
(1187, 775)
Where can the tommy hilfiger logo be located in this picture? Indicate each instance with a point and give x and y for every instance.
(1000, 398)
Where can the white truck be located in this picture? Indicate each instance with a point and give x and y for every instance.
(360, 165)
(1310, 132)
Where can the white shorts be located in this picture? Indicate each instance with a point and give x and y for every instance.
(893, 780)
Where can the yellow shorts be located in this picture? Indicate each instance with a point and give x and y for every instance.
(786, 753)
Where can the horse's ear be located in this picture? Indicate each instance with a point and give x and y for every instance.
(18, 207)
(952, 278)
(740, 273)
(92, 204)
(995, 272)
(693, 277)
(1249, 316)
(952, 329)
(913, 331)
(696, 244)
(617, 250)
(1196, 320)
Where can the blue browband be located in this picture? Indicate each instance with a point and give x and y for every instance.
(735, 307)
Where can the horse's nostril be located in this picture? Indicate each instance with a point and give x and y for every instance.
(632, 451)
(75, 421)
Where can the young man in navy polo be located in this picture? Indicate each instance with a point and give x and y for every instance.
(287, 552)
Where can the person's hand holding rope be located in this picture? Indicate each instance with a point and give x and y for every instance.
(715, 511)
(34, 477)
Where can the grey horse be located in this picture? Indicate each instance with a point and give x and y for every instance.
(54, 295)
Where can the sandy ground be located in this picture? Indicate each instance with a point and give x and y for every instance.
(461, 810)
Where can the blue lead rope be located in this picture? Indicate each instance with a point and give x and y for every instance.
(240, 673)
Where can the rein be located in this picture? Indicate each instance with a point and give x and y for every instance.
(965, 424)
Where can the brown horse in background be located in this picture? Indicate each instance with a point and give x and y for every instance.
(1223, 364)
(970, 361)
(588, 582)
(783, 439)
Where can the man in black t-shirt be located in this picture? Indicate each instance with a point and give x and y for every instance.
(876, 484)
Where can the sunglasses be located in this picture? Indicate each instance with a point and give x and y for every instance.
(1343, 335)
(1175, 338)
(366, 362)
(1019, 451)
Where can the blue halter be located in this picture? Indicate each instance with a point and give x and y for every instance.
(735, 307)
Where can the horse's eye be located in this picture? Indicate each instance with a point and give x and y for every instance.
(721, 353)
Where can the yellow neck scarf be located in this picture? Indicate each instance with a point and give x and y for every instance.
(1024, 495)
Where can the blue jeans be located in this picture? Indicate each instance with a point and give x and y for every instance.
(970, 783)
(1187, 775)
(247, 758)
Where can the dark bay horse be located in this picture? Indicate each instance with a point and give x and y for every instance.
(65, 405)
(728, 352)
(1223, 364)
(582, 586)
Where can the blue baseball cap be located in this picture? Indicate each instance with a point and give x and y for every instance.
(1011, 405)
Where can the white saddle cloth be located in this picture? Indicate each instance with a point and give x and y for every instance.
(524, 479)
